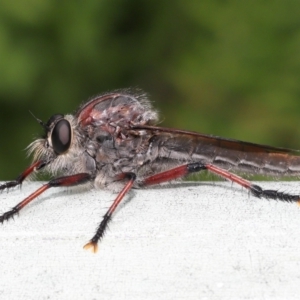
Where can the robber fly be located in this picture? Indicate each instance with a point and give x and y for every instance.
(113, 142)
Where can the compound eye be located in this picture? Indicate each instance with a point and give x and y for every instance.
(61, 136)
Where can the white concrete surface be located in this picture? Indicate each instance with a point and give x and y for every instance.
(192, 241)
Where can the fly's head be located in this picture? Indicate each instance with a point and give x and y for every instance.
(60, 144)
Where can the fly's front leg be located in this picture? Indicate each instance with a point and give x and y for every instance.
(18, 181)
(61, 181)
(93, 243)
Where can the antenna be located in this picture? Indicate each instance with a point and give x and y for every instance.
(39, 121)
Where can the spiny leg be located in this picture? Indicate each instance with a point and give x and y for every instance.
(57, 182)
(173, 174)
(184, 170)
(93, 243)
(155, 179)
(255, 190)
(179, 172)
(18, 181)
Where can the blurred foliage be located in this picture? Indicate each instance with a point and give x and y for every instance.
(229, 68)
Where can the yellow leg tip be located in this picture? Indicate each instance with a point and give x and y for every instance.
(93, 247)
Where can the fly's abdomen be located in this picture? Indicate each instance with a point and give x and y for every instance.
(228, 154)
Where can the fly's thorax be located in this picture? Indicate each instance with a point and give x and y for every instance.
(61, 145)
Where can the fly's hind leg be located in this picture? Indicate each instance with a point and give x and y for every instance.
(186, 169)
(255, 190)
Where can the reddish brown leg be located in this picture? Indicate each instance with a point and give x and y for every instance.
(18, 181)
(93, 243)
(61, 181)
(177, 173)
(255, 190)
(183, 170)
(173, 174)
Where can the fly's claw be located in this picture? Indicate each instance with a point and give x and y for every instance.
(8, 215)
(258, 192)
(92, 246)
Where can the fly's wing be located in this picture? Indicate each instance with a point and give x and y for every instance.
(230, 154)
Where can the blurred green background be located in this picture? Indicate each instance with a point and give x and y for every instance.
(228, 68)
